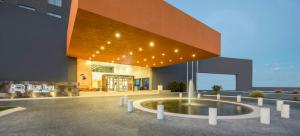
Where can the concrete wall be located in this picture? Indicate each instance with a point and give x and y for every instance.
(33, 46)
(240, 67)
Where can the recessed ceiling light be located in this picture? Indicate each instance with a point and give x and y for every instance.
(130, 53)
(137, 61)
(118, 58)
(194, 55)
(170, 60)
(181, 58)
(153, 57)
(154, 64)
(151, 44)
(161, 62)
(140, 49)
(90, 58)
(108, 42)
(147, 66)
(163, 54)
(118, 35)
(112, 61)
(145, 59)
(97, 52)
(123, 56)
(93, 55)
(102, 47)
(176, 50)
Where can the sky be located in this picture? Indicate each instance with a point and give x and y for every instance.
(265, 31)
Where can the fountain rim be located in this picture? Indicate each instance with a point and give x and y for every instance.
(253, 114)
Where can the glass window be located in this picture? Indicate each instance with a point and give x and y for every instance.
(55, 2)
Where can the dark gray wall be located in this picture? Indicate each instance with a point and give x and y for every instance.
(242, 68)
(33, 46)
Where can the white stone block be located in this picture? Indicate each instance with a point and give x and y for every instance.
(279, 104)
(160, 87)
(260, 101)
(130, 106)
(121, 101)
(218, 96)
(180, 95)
(199, 95)
(238, 98)
(285, 111)
(265, 116)
(212, 116)
(160, 111)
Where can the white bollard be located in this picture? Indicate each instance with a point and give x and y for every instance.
(125, 99)
(238, 98)
(260, 101)
(121, 102)
(265, 116)
(130, 106)
(285, 111)
(279, 104)
(212, 116)
(160, 111)
(199, 95)
(180, 95)
(218, 96)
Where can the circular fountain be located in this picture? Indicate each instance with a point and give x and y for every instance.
(191, 107)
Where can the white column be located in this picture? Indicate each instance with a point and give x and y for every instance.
(199, 95)
(260, 101)
(193, 71)
(187, 76)
(285, 111)
(238, 98)
(265, 115)
(125, 99)
(279, 104)
(218, 96)
(160, 111)
(130, 106)
(180, 95)
(121, 101)
(212, 116)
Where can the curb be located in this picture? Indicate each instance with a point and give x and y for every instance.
(10, 111)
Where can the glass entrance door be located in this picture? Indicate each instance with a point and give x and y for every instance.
(117, 83)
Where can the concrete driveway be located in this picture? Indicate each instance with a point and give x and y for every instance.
(101, 116)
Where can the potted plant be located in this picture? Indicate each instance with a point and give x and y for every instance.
(216, 89)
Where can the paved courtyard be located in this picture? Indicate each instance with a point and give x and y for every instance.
(101, 116)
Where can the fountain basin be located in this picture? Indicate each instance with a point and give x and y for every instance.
(198, 108)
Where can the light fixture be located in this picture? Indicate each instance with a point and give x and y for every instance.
(180, 58)
(93, 55)
(138, 62)
(140, 49)
(118, 35)
(176, 50)
(154, 64)
(118, 58)
(151, 44)
(90, 58)
(145, 59)
(163, 54)
(130, 53)
(102, 47)
(170, 60)
(161, 62)
(194, 55)
(153, 57)
(147, 66)
(108, 42)
(123, 56)
(97, 52)
(112, 61)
